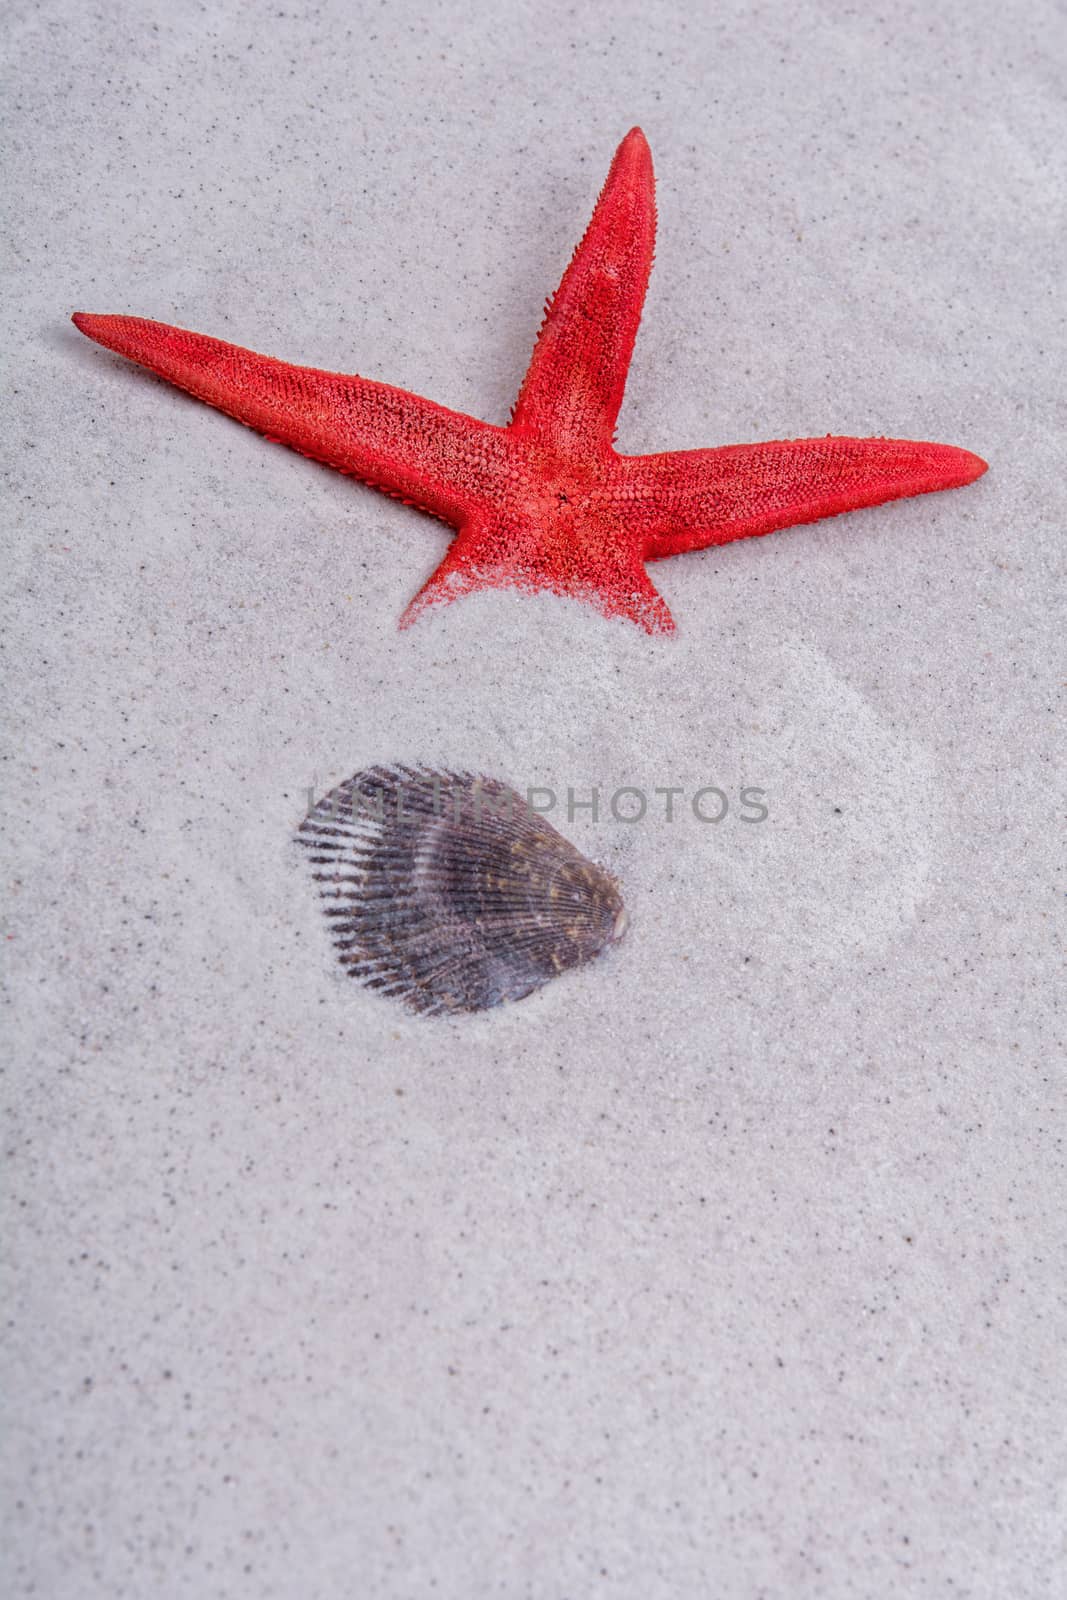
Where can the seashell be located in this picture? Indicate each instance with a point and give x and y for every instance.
(445, 890)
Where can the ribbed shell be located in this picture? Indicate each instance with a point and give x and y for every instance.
(443, 889)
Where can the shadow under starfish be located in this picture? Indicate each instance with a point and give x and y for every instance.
(547, 502)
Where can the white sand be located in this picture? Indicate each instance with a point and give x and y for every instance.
(732, 1265)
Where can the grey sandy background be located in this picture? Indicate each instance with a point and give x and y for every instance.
(734, 1264)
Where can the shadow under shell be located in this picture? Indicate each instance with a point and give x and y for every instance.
(445, 890)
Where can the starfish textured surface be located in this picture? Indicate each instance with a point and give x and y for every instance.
(547, 502)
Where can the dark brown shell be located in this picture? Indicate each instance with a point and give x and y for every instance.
(443, 889)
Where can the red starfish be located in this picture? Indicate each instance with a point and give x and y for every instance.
(547, 503)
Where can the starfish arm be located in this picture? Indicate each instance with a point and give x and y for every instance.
(573, 389)
(438, 460)
(504, 552)
(689, 499)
